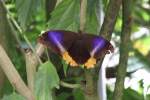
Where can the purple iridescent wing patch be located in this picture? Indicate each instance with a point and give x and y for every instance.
(101, 47)
(57, 40)
(98, 44)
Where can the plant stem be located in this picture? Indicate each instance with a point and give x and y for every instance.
(31, 63)
(90, 90)
(13, 76)
(83, 8)
(69, 85)
(124, 49)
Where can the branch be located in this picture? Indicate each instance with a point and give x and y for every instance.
(109, 24)
(39, 49)
(124, 49)
(110, 18)
(13, 76)
(31, 64)
(106, 32)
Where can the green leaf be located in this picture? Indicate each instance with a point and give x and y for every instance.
(46, 79)
(65, 16)
(130, 94)
(13, 96)
(92, 23)
(26, 9)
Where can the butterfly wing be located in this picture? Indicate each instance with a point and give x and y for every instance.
(59, 41)
(97, 47)
(76, 48)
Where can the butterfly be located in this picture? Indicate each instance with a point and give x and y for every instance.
(76, 48)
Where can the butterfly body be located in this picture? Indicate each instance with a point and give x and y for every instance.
(76, 49)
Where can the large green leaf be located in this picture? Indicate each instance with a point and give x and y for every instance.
(92, 23)
(26, 9)
(13, 96)
(65, 16)
(46, 79)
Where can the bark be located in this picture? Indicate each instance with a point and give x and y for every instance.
(124, 49)
(110, 18)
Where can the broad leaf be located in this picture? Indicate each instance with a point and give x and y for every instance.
(13, 96)
(46, 80)
(26, 9)
(92, 23)
(65, 16)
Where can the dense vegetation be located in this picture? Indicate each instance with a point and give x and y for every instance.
(43, 75)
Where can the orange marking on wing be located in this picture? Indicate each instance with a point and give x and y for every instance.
(69, 59)
(90, 63)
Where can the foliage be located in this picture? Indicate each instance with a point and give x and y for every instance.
(13, 96)
(65, 16)
(26, 9)
(47, 79)
(30, 14)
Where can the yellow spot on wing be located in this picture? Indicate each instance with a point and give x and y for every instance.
(69, 59)
(90, 63)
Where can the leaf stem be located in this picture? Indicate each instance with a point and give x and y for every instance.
(69, 85)
(83, 8)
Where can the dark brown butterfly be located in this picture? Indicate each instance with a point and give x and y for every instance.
(76, 49)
